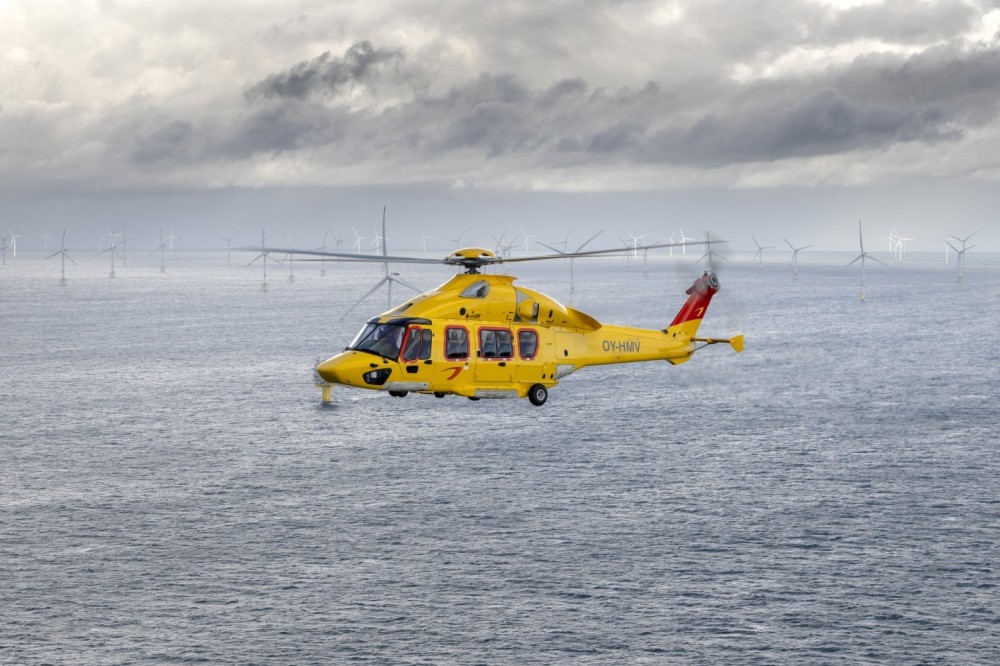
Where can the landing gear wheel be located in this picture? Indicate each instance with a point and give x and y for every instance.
(473, 398)
(538, 394)
(398, 394)
(438, 395)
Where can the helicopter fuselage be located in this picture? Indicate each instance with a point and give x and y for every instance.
(480, 336)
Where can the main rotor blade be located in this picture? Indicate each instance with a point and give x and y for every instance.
(349, 256)
(597, 253)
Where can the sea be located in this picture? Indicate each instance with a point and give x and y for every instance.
(174, 491)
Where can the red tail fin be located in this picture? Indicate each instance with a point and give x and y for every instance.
(699, 296)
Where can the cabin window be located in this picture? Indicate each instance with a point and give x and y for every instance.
(495, 343)
(527, 343)
(477, 289)
(418, 344)
(456, 345)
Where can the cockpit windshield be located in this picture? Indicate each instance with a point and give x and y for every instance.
(381, 339)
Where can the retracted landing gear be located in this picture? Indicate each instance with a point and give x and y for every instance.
(538, 394)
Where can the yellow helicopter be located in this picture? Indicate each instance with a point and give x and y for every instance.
(480, 336)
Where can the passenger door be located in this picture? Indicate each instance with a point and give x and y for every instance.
(495, 360)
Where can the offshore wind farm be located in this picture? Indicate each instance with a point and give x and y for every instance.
(826, 492)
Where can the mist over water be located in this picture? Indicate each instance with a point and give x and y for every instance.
(172, 490)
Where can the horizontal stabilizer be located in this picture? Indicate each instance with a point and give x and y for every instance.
(736, 341)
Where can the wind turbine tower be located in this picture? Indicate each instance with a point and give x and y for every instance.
(291, 258)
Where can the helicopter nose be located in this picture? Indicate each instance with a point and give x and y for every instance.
(328, 371)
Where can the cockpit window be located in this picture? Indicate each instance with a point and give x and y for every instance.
(476, 290)
(381, 339)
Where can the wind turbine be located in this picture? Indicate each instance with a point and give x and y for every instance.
(900, 245)
(172, 239)
(291, 258)
(795, 255)
(377, 241)
(124, 247)
(572, 286)
(322, 260)
(228, 239)
(388, 279)
(892, 240)
(45, 236)
(161, 247)
(357, 240)
(759, 257)
(527, 237)
(564, 242)
(861, 257)
(671, 240)
(710, 253)
(960, 260)
(503, 250)
(632, 243)
(111, 249)
(62, 251)
(457, 240)
(264, 256)
(683, 241)
(13, 244)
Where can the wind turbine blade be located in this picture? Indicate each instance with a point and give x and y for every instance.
(550, 247)
(856, 259)
(367, 294)
(396, 278)
(592, 238)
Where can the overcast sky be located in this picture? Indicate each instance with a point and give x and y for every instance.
(773, 117)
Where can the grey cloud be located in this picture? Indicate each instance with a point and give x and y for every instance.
(324, 75)
(169, 142)
(871, 103)
(903, 21)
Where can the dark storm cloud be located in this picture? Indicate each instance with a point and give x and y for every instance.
(873, 102)
(324, 75)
